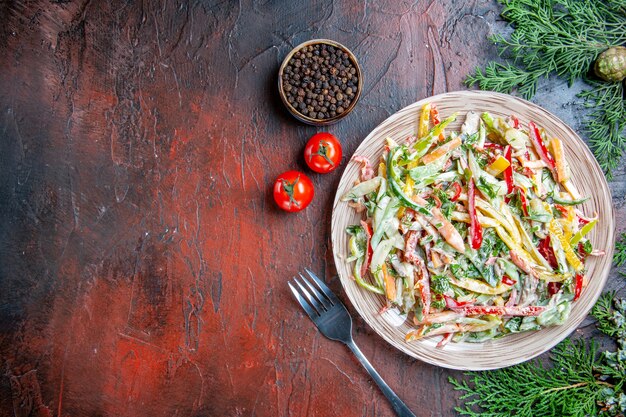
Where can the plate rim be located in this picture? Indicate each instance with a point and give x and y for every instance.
(610, 224)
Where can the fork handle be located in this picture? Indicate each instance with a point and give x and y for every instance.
(396, 403)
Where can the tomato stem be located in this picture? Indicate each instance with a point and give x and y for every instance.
(289, 189)
(322, 151)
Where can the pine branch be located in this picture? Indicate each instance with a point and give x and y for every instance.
(505, 78)
(606, 125)
(569, 388)
(564, 37)
(602, 311)
(619, 257)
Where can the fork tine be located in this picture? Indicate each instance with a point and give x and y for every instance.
(315, 298)
(333, 298)
(323, 300)
(310, 311)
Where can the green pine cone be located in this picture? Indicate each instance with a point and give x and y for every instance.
(611, 64)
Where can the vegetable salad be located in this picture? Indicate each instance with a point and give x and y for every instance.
(472, 234)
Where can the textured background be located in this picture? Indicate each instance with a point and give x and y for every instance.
(143, 264)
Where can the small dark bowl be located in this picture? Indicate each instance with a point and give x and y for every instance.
(307, 119)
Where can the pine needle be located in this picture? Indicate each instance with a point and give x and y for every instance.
(619, 257)
(603, 312)
(606, 125)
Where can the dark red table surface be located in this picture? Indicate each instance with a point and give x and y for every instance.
(143, 263)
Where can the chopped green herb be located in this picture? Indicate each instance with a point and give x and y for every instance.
(439, 284)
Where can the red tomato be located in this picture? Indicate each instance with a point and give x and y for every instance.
(322, 153)
(293, 191)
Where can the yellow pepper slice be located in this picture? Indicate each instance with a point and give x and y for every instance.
(555, 229)
(556, 149)
(498, 166)
(506, 238)
(408, 190)
(424, 122)
(390, 284)
(382, 170)
(479, 287)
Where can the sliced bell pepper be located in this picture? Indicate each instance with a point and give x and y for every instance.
(424, 122)
(556, 149)
(581, 251)
(480, 287)
(394, 182)
(587, 227)
(501, 311)
(554, 287)
(491, 145)
(457, 191)
(545, 249)
(499, 165)
(523, 200)
(452, 303)
(564, 212)
(422, 145)
(555, 229)
(515, 121)
(441, 150)
(578, 286)
(508, 280)
(476, 231)
(437, 200)
(540, 148)
(508, 172)
(390, 284)
(434, 116)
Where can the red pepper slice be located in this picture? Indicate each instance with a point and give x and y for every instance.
(452, 303)
(582, 222)
(437, 200)
(501, 311)
(434, 116)
(508, 172)
(493, 146)
(561, 210)
(523, 201)
(476, 231)
(457, 191)
(515, 121)
(545, 249)
(581, 252)
(554, 287)
(528, 172)
(540, 147)
(507, 280)
(578, 286)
